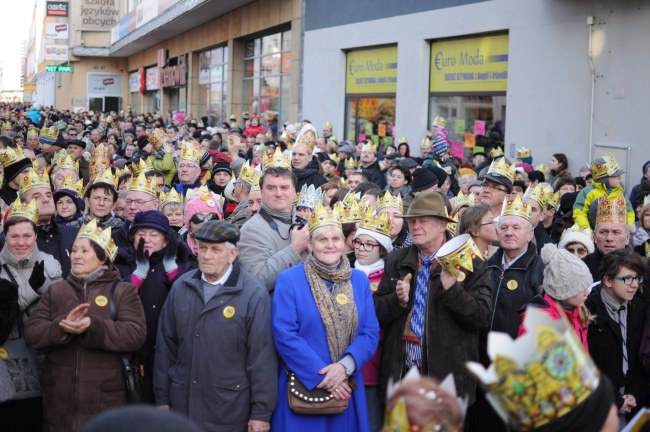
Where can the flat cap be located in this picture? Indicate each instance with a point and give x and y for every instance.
(217, 231)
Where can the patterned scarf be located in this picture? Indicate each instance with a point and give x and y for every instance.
(415, 324)
(336, 304)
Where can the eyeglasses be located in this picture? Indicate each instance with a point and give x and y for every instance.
(368, 247)
(579, 250)
(188, 166)
(100, 200)
(138, 203)
(203, 217)
(486, 185)
(627, 280)
(492, 222)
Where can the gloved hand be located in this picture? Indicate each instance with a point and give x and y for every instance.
(141, 261)
(37, 279)
(169, 260)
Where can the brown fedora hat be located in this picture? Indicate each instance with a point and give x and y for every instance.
(428, 204)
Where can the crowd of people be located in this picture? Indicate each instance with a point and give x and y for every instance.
(262, 279)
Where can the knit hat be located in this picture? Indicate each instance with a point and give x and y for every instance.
(565, 275)
(382, 239)
(149, 219)
(222, 167)
(440, 146)
(440, 174)
(423, 179)
(199, 204)
(11, 171)
(142, 141)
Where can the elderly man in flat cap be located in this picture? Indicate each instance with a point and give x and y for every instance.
(215, 360)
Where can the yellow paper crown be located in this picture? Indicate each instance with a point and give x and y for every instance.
(101, 237)
(464, 200)
(389, 200)
(328, 125)
(440, 121)
(10, 156)
(32, 133)
(606, 168)
(323, 217)
(575, 228)
(157, 138)
(379, 224)
(7, 125)
(496, 152)
(524, 152)
(539, 377)
(27, 211)
(350, 163)
(256, 183)
(278, 160)
(107, 178)
(452, 227)
(612, 210)
(457, 254)
(501, 168)
(74, 186)
(33, 180)
(402, 140)
(307, 137)
(211, 199)
(192, 153)
(248, 173)
(348, 214)
(143, 184)
(49, 134)
(516, 208)
(69, 163)
(553, 200)
(538, 194)
(172, 197)
(542, 168)
(59, 157)
(426, 142)
(141, 167)
(369, 147)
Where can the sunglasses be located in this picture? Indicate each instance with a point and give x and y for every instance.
(578, 250)
(203, 217)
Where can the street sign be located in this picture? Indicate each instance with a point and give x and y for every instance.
(58, 68)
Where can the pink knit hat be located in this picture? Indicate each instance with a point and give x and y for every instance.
(200, 204)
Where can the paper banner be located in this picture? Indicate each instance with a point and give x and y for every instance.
(457, 150)
(381, 130)
(459, 126)
(470, 140)
(479, 127)
(362, 137)
(367, 128)
(375, 140)
(479, 149)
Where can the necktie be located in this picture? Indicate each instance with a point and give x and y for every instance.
(622, 323)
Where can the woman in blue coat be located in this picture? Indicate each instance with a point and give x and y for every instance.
(325, 330)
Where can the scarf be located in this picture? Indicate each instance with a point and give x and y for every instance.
(618, 312)
(369, 268)
(414, 328)
(283, 217)
(336, 304)
(90, 277)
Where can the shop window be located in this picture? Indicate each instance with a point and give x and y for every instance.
(213, 79)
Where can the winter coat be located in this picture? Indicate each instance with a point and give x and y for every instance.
(375, 174)
(9, 309)
(541, 237)
(565, 174)
(215, 363)
(605, 347)
(589, 195)
(165, 165)
(453, 320)
(82, 375)
(309, 175)
(513, 288)
(57, 241)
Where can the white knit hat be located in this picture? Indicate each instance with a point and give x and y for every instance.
(575, 235)
(382, 239)
(565, 275)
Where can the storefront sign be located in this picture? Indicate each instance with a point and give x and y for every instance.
(470, 65)
(56, 31)
(56, 8)
(56, 52)
(58, 68)
(371, 71)
(134, 82)
(152, 78)
(174, 76)
(98, 14)
(104, 84)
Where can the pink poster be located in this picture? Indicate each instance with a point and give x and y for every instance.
(479, 127)
(457, 150)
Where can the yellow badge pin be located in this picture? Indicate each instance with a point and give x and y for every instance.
(229, 311)
(512, 284)
(3, 353)
(342, 299)
(101, 301)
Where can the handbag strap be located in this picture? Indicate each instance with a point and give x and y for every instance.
(111, 302)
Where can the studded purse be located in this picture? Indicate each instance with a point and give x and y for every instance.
(314, 402)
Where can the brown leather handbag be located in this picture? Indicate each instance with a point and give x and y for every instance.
(315, 402)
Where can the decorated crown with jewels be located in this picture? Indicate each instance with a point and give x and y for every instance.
(379, 224)
(538, 377)
(516, 207)
(143, 184)
(350, 213)
(172, 197)
(26, 211)
(249, 173)
(612, 210)
(464, 200)
(142, 166)
(605, 166)
(278, 160)
(10, 156)
(68, 162)
(192, 153)
(309, 197)
(501, 168)
(496, 152)
(106, 178)
(350, 163)
(553, 200)
(74, 186)
(307, 137)
(49, 135)
(575, 228)
(33, 180)
(390, 201)
(101, 237)
(457, 255)
(538, 194)
(323, 217)
(157, 138)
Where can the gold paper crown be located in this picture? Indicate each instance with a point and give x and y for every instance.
(496, 152)
(107, 178)
(608, 167)
(538, 194)
(457, 254)
(211, 199)
(33, 133)
(379, 224)
(440, 121)
(256, 183)
(402, 140)
(524, 153)
(249, 173)
(576, 229)
(192, 153)
(74, 186)
(501, 168)
(539, 377)
(612, 210)
(69, 163)
(157, 138)
(335, 158)
(33, 180)
(100, 236)
(10, 156)
(172, 197)
(141, 167)
(143, 184)
(553, 200)
(369, 147)
(49, 134)
(101, 156)
(27, 211)
(310, 197)
(542, 168)
(7, 125)
(515, 208)
(389, 200)
(328, 125)
(452, 227)
(426, 142)
(278, 160)
(59, 157)
(350, 163)
(348, 214)
(307, 137)
(323, 217)
(464, 200)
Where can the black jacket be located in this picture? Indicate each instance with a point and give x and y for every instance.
(375, 174)
(453, 320)
(57, 241)
(309, 176)
(9, 310)
(541, 237)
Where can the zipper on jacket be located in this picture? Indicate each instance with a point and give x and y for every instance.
(76, 367)
(496, 298)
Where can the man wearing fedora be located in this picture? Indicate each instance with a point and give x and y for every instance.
(430, 320)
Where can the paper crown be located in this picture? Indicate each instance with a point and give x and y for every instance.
(402, 140)
(457, 254)
(390, 201)
(611, 210)
(515, 208)
(58, 157)
(211, 199)
(452, 227)
(101, 156)
(309, 197)
(157, 138)
(172, 197)
(106, 178)
(7, 125)
(74, 186)
(464, 200)
(397, 419)
(538, 194)
(307, 137)
(538, 377)
(101, 237)
(256, 183)
(426, 142)
(576, 229)
(646, 201)
(328, 125)
(542, 168)
(49, 135)
(192, 153)
(27, 211)
(143, 184)
(142, 166)
(439, 121)
(604, 167)
(524, 153)
(350, 163)
(278, 160)
(501, 168)
(379, 224)
(553, 200)
(10, 156)
(68, 162)
(32, 133)
(248, 174)
(33, 180)
(369, 147)
(348, 214)
(323, 217)
(496, 152)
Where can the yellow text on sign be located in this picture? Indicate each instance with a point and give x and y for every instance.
(370, 71)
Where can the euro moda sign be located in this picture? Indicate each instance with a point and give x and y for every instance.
(371, 71)
(56, 8)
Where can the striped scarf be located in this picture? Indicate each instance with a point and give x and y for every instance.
(414, 349)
